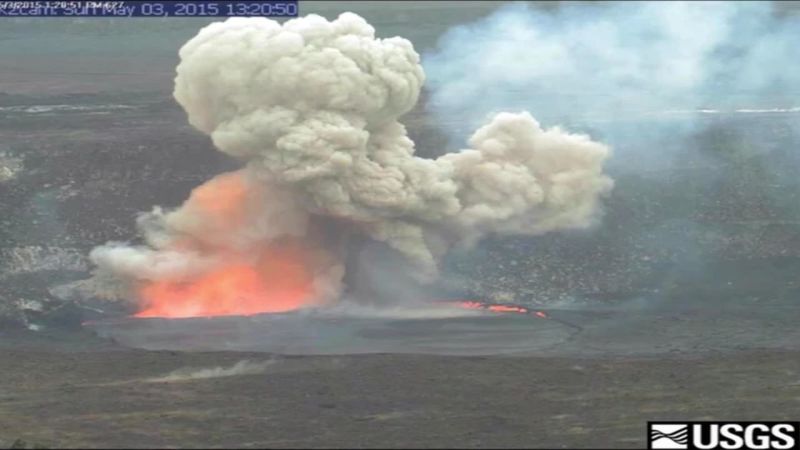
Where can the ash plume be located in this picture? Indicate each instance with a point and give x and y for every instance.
(312, 109)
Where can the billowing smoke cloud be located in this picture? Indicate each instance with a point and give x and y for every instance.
(311, 107)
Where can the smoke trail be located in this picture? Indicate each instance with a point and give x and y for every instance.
(312, 108)
(243, 367)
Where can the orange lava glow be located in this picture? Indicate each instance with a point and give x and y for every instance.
(278, 281)
(251, 275)
(471, 304)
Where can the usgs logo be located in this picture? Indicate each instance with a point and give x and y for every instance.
(724, 435)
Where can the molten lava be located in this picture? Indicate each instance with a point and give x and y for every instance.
(279, 281)
(493, 307)
(248, 273)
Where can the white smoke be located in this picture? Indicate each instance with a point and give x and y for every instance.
(243, 367)
(312, 108)
(612, 60)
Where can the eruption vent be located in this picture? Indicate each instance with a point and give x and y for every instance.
(311, 109)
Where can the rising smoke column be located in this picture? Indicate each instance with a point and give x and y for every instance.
(311, 108)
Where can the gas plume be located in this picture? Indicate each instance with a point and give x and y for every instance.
(605, 63)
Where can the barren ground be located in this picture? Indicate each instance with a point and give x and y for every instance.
(75, 391)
